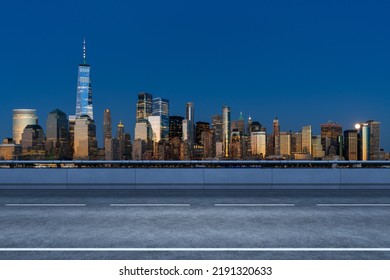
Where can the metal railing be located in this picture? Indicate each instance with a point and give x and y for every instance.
(193, 164)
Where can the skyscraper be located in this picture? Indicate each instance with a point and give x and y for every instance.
(85, 145)
(175, 127)
(226, 131)
(107, 135)
(364, 141)
(258, 144)
(374, 140)
(144, 106)
(306, 139)
(33, 143)
(190, 111)
(22, 118)
(161, 109)
(351, 144)
(239, 124)
(72, 123)
(317, 149)
(120, 135)
(57, 135)
(296, 142)
(84, 88)
(107, 127)
(285, 143)
(276, 137)
(200, 128)
(216, 124)
(330, 133)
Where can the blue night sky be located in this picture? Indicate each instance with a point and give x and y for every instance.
(305, 62)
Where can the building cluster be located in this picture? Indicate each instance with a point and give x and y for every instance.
(159, 136)
(224, 138)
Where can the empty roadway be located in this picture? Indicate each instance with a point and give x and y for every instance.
(302, 224)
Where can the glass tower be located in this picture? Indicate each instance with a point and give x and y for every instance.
(84, 88)
(22, 118)
(161, 109)
(144, 106)
(226, 130)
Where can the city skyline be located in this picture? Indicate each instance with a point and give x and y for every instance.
(309, 61)
(75, 136)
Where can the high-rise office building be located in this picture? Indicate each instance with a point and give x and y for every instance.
(276, 137)
(161, 109)
(84, 88)
(226, 131)
(239, 124)
(85, 145)
(296, 142)
(72, 123)
(155, 124)
(216, 124)
(365, 142)
(258, 144)
(107, 135)
(285, 144)
(175, 127)
(22, 118)
(9, 150)
(330, 137)
(199, 129)
(351, 144)
(374, 140)
(256, 127)
(120, 135)
(107, 127)
(33, 143)
(190, 111)
(248, 129)
(306, 140)
(57, 135)
(317, 148)
(143, 131)
(235, 150)
(144, 106)
(187, 149)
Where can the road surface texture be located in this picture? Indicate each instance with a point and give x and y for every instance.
(300, 224)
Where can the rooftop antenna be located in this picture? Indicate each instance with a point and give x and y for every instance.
(84, 52)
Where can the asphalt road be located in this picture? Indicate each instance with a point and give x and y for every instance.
(195, 224)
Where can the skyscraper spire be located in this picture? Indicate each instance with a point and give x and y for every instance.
(84, 89)
(84, 52)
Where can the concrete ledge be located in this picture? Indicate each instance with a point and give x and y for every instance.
(33, 178)
(239, 176)
(164, 176)
(371, 176)
(100, 176)
(196, 178)
(306, 176)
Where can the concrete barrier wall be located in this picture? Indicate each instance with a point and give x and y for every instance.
(195, 178)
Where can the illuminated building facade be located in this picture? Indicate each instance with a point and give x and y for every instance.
(21, 119)
(306, 140)
(57, 135)
(330, 138)
(84, 88)
(226, 131)
(85, 145)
